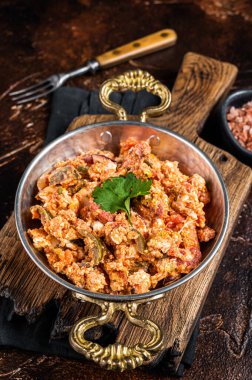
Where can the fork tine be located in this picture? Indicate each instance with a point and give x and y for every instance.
(14, 93)
(32, 93)
(35, 97)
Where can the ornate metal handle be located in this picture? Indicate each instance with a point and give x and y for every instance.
(115, 356)
(135, 80)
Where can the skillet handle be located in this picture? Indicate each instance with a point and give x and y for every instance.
(116, 356)
(135, 80)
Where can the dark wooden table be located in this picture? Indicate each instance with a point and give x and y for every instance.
(44, 37)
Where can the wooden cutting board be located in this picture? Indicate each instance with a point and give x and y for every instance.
(200, 84)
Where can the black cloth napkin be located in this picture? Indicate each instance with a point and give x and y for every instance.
(15, 331)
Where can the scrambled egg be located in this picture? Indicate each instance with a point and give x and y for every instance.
(103, 252)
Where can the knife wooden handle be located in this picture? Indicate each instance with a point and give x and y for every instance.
(143, 46)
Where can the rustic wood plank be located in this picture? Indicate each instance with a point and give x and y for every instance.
(200, 83)
(20, 278)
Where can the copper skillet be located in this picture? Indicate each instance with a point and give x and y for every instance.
(166, 145)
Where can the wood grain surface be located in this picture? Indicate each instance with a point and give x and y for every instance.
(49, 37)
(200, 83)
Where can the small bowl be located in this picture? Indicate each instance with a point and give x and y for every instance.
(236, 99)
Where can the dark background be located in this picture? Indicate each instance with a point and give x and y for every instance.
(43, 37)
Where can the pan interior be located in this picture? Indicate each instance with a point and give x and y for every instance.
(165, 144)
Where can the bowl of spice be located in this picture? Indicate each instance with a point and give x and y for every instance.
(236, 115)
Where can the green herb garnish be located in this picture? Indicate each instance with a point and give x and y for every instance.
(116, 193)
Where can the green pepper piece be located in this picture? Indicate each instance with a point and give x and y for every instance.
(96, 248)
(140, 241)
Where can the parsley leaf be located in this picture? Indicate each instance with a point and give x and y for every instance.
(116, 193)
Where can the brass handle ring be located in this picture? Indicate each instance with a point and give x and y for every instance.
(115, 356)
(135, 80)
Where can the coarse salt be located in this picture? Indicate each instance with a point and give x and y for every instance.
(240, 124)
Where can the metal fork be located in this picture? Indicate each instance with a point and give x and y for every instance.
(148, 44)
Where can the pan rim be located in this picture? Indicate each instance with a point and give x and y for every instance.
(104, 296)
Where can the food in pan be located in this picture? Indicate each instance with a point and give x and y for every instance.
(121, 225)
